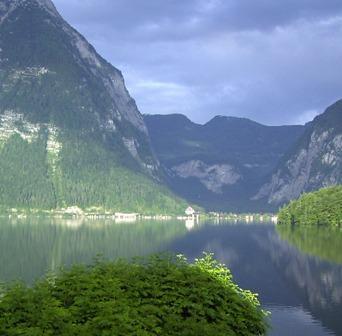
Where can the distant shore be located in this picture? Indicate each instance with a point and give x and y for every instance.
(97, 213)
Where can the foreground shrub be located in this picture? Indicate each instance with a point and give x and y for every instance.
(159, 295)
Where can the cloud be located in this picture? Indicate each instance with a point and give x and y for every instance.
(213, 15)
(306, 115)
(272, 61)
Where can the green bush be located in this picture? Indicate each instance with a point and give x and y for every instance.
(323, 207)
(159, 295)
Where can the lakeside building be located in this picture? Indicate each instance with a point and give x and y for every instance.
(126, 217)
(190, 212)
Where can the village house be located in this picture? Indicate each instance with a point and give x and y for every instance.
(190, 212)
(126, 217)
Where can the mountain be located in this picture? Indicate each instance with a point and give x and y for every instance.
(314, 162)
(221, 164)
(70, 134)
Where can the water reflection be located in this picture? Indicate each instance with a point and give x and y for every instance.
(283, 276)
(324, 243)
(295, 321)
(298, 276)
(30, 247)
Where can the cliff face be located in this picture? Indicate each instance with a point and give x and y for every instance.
(314, 162)
(50, 74)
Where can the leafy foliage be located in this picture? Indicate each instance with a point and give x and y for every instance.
(161, 295)
(323, 207)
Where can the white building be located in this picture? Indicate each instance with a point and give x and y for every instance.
(190, 211)
(126, 217)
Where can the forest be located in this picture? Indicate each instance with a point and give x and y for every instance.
(322, 207)
(84, 173)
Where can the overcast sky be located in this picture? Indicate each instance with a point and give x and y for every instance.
(274, 61)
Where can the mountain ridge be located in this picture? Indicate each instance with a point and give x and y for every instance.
(217, 118)
(236, 164)
(220, 163)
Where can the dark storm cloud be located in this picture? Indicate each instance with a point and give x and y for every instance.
(273, 61)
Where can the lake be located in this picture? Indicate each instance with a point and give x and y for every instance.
(296, 271)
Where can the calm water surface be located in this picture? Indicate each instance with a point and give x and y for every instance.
(297, 272)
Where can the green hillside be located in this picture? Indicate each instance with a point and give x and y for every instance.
(323, 207)
(80, 172)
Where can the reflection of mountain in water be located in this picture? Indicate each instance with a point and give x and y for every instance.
(264, 263)
(28, 248)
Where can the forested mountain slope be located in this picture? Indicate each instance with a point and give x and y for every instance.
(70, 134)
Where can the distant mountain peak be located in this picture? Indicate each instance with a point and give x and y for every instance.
(229, 120)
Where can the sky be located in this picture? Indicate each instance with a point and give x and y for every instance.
(273, 61)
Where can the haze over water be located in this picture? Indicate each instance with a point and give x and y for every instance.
(297, 274)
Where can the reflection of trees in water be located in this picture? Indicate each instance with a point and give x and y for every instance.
(25, 249)
(316, 282)
(324, 243)
(261, 261)
(30, 247)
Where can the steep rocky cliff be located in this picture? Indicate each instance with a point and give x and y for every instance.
(50, 74)
(314, 162)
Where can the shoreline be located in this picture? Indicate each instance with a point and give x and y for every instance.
(77, 213)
